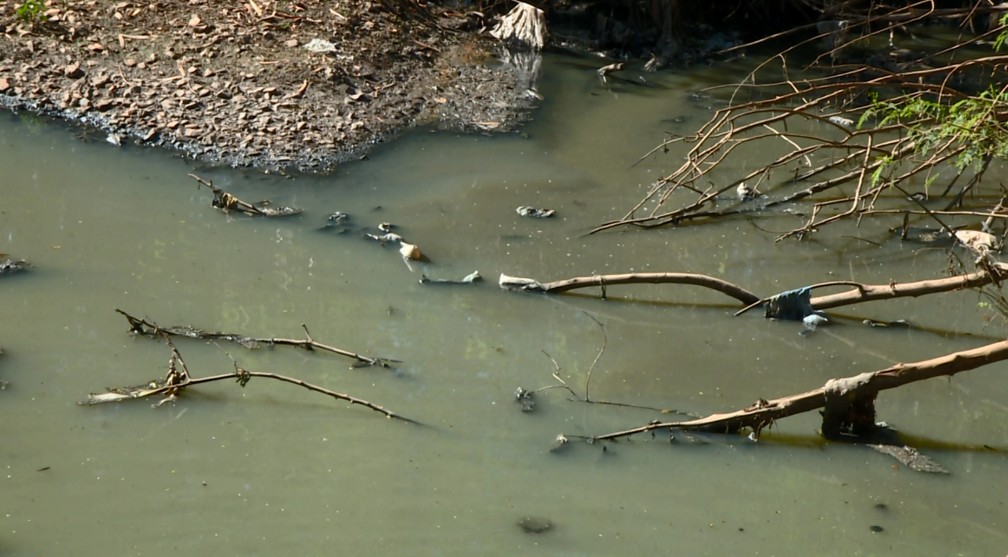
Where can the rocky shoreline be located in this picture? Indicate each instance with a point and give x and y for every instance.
(274, 85)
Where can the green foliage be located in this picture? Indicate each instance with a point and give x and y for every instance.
(975, 123)
(32, 11)
(1003, 35)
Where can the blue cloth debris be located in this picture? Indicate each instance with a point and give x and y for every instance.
(794, 305)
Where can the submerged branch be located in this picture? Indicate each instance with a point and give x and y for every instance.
(146, 328)
(226, 202)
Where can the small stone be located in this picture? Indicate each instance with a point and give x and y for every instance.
(291, 43)
(4, 84)
(320, 46)
(130, 62)
(73, 70)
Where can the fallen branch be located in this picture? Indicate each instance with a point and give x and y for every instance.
(601, 281)
(837, 396)
(226, 202)
(146, 328)
(177, 378)
(992, 273)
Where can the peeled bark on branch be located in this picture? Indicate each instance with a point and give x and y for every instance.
(837, 396)
(601, 281)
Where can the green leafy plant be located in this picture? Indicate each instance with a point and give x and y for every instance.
(974, 125)
(32, 11)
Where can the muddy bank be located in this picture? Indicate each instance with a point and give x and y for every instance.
(258, 83)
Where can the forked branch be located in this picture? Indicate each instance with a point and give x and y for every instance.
(177, 379)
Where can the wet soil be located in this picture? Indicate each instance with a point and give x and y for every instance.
(271, 84)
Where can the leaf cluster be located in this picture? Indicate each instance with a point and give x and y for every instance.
(976, 123)
(32, 12)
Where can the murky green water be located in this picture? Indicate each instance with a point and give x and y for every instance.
(275, 469)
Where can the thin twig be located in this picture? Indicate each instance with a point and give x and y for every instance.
(147, 328)
(605, 341)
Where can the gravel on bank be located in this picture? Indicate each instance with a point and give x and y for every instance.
(275, 85)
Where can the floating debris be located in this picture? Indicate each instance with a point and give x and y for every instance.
(533, 212)
(745, 193)
(813, 320)
(410, 251)
(526, 399)
(226, 202)
(337, 219)
(841, 121)
(559, 443)
(897, 324)
(468, 279)
(388, 237)
(980, 243)
(10, 265)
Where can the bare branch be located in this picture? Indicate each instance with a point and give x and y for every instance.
(147, 328)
